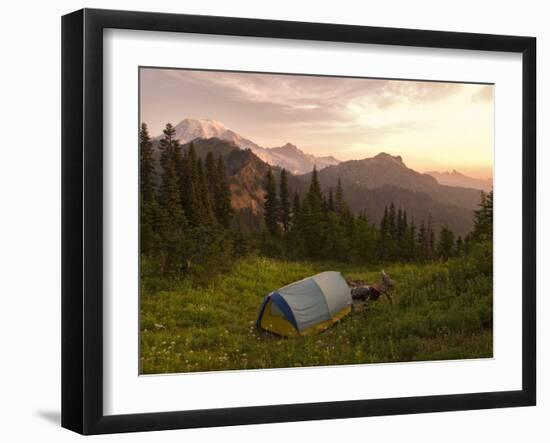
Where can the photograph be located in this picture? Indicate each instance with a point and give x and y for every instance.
(294, 220)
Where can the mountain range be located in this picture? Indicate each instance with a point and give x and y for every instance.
(387, 170)
(287, 156)
(455, 178)
(369, 184)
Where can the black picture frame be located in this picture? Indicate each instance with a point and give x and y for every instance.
(82, 218)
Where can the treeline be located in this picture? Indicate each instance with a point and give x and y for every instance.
(185, 217)
(321, 226)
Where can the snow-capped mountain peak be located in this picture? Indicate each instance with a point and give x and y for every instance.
(190, 128)
(288, 156)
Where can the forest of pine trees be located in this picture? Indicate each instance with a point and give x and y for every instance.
(186, 218)
(320, 226)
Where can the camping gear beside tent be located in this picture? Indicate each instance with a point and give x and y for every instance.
(307, 306)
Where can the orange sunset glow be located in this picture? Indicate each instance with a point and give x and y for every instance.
(432, 125)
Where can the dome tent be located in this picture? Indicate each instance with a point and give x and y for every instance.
(307, 306)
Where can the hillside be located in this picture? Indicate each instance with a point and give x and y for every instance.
(419, 206)
(455, 178)
(205, 329)
(385, 169)
(369, 185)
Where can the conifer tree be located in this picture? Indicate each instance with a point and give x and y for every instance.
(204, 209)
(446, 243)
(284, 199)
(189, 181)
(459, 245)
(411, 241)
(331, 206)
(170, 160)
(423, 242)
(384, 221)
(148, 206)
(170, 218)
(147, 166)
(383, 237)
(392, 224)
(339, 201)
(271, 204)
(315, 195)
(399, 231)
(222, 199)
(431, 237)
(312, 213)
(295, 208)
(211, 176)
(296, 235)
(483, 218)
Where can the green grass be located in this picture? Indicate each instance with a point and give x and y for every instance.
(440, 311)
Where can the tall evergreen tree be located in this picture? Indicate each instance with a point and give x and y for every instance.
(189, 193)
(271, 204)
(191, 199)
(392, 223)
(315, 195)
(446, 243)
(431, 237)
(170, 220)
(383, 240)
(384, 221)
(170, 160)
(148, 205)
(295, 207)
(459, 245)
(222, 199)
(284, 200)
(147, 166)
(211, 176)
(204, 209)
(331, 206)
(483, 218)
(399, 228)
(423, 242)
(339, 201)
(313, 214)
(410, 245)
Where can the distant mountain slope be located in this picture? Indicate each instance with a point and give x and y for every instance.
(298, 162)
(455, 178)
(246, 172)
(368, 186)
(287, 156)
(419, 206)
(385, 169)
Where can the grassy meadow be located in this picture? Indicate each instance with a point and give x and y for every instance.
(440, 311)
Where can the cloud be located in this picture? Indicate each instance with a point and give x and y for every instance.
(325, 114)
(304, 93)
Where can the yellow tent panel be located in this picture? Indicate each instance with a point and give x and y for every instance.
(306, 307)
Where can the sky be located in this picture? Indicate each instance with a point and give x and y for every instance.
(433, 125)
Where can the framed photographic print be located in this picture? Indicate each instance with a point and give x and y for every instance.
(269, 221)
